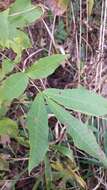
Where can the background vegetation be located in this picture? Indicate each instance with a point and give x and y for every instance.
(53, 90)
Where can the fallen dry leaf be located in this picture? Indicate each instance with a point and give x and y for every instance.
(58, 7)
(4, 165)
(90, 4)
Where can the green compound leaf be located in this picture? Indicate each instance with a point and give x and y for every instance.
(37, 122)
(13, 86)
(82, 135)
(19, 15)
(45, 66)
(7, 66)
(23, 13)
(8, 127)
(80, 100)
